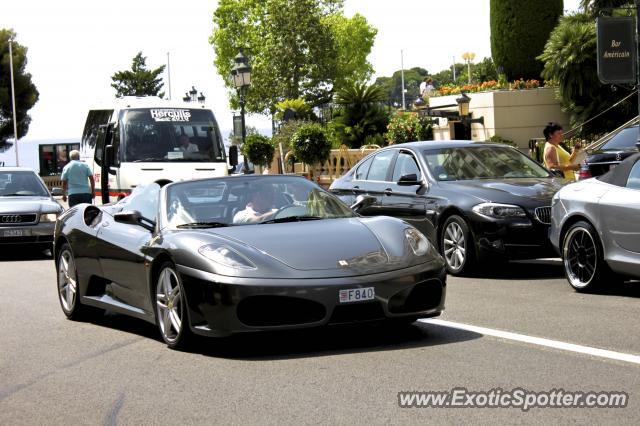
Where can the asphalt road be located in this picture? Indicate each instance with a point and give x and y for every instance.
(116, 370)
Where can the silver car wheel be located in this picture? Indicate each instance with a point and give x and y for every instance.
(580, 257)
(169, 305)
(454, 245)
(67, 283)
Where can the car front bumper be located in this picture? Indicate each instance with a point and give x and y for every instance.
(514, 239)
(220, 306)
(39, 233)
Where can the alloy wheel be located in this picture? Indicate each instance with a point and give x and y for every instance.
(454, 245)
(67, 282)
(169, 305)
(580, 257)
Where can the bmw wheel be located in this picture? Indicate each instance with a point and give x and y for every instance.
(171, 309)
(68, 290)
(457, 246)
(582, 257)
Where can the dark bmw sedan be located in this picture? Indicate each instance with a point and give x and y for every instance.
(612, 153)
(476, 200)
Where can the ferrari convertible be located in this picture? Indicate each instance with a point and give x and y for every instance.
(220, 256)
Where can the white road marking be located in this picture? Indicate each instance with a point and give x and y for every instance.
(588, 350)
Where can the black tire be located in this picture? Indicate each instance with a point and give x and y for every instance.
(170, 308)
(67, 284)
(457, 246)
(583, 259)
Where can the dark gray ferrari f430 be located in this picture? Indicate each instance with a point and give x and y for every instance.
(220, 256)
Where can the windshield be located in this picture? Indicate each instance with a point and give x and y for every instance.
(169, 134)
(482, 162)
(251, 200)
(21, 183)
(144, 198)
(626, 139)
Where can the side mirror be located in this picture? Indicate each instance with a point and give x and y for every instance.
(57, 192)
(409, 180)
(233, 155)
(133, 217)
(362, 202)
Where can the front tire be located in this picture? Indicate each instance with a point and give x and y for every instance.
(457, 246)
(171, 308)
(583, 258)
(68, 289)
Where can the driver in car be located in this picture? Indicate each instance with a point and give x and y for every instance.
(259, 207)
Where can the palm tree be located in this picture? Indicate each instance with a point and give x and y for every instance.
(361, 113)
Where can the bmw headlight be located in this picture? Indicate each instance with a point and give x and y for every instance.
(48, 217)
(226, 256)
(499, 211)
(417, 241)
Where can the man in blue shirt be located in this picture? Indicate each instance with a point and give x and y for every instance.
(74, 181)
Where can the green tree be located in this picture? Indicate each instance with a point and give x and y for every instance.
(519, 31)
(311, 145)
(26, 92)
(569, 58)
(484, 70)
(445, 77)
(297, 48)
(392, 86)
(596, 8)
(361, 113)
(258, 149)
(138, 81)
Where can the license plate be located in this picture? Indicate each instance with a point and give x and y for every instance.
(357, 294)
(15, 232)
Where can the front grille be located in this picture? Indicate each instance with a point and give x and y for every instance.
(17, 219)
(543, 214)
(269, 311)
(421, 297)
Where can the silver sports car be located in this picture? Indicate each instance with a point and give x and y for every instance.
(595, 227)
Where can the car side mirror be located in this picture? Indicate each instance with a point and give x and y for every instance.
(133, 217)
(362, 202)
(409, 180)
(57, 192)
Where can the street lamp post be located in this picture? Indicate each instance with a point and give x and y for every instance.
(241, 76)
(468, 56)
(192, 96)
(13, 103)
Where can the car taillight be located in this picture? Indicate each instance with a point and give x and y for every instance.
(584, 173)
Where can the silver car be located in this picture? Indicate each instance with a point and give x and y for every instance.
(28, 212)
(595, 226)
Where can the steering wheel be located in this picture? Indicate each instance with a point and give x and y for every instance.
(302, 210)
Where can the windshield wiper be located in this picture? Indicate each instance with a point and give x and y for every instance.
(292, 219)
(203, 225)
(21, 195)
(149, 160)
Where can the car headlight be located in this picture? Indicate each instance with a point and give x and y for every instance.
(48, 217)
(226, 256)
(417, 241)
(499, 211)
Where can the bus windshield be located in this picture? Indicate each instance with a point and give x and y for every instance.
(170, 134)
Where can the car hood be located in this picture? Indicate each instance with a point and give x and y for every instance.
(29, 205)
(313, 249)
(311, 245)
(505, 190)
